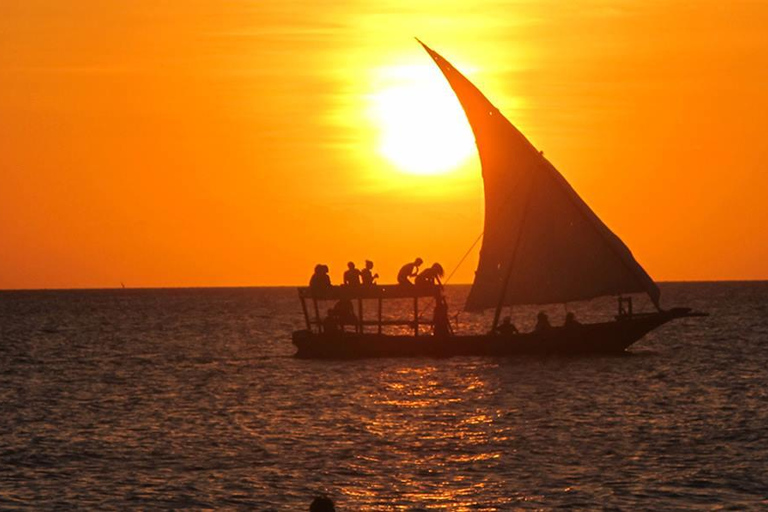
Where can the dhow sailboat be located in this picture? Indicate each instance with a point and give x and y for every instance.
(541, 244)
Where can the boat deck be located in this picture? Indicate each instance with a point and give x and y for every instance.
(384, 292)
(598, 338)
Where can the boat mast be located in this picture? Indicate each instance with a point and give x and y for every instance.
(513, 259)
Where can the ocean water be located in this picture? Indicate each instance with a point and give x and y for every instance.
(167, 399)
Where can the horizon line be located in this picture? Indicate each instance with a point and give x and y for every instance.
(207, 287)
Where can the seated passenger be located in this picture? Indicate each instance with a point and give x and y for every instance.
(345, 312)
(506, 326)
(331, 322)
(542, 322)
(570, 320)
(368, 277)
(430, 276)
(408, 271)
(320, 280)
(352, 276)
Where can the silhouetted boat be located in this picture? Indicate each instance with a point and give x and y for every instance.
(542, 244)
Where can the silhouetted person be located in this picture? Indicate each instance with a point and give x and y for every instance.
(570, 320)
(322, 504)
(542, 322)
(344, 312)
(430, 276)
(367, 275)
(408, 271)
(442, 326)
(352, 275)
(320, 280)
(506, 326)
(331, 322)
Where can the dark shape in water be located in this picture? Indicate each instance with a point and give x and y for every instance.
(542, 244)
(322, 504)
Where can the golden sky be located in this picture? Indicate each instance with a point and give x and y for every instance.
(217, 143)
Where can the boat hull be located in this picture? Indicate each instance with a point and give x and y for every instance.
(598, 338)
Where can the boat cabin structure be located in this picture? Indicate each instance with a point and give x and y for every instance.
(360, 309)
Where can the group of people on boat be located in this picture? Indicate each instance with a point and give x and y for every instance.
(428, 277)
(356, 277)
(408, 275)
(542, 323)
(343, 313)
(352, 276)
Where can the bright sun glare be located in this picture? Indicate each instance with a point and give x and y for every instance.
(422, 128)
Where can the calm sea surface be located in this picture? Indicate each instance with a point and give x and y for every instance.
(158, 399)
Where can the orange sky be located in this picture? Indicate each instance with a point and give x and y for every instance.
(209, 143)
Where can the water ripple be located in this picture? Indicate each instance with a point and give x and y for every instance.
(189, 399)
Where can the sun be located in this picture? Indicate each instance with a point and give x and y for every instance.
(422, 128)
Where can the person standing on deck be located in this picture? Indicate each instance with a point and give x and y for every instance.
(369, 278)
(408, 271)
(352, 276)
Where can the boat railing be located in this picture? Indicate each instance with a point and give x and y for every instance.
(383, 292)
(357, 294)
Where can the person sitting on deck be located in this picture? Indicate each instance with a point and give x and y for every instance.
(408, 271)
(506, 327)
(344, 313)
(320, 280)
(570, 320)
(430, 276)
(368, 277)
(352, 276)
(542, 322)
(331, 322)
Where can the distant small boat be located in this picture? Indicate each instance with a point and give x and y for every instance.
(542, 244)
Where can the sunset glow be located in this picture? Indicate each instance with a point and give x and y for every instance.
(422, 129)
(241, 143)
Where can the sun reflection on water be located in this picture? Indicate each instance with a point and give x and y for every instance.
(431, 423)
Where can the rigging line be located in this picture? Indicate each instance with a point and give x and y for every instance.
(461, 261)
(507, 202)
(500, 208)
(466, 254)
(513, 260)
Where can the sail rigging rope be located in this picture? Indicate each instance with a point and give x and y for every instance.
(461, 261)
(455, 268)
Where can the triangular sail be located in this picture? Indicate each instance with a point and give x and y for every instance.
(542, 244)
